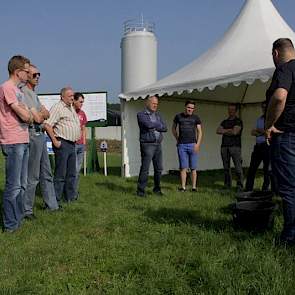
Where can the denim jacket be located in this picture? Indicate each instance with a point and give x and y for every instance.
(147, 127)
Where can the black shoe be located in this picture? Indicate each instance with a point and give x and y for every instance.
(284, 243)
(141, 194)
(181, 189)
(60, 208)
(239, 189)
(280, 241)
(30, 217)
(77, 196)
(9, 230)
(194, 190)
(158, 193)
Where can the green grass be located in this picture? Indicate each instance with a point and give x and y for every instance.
(111, 242)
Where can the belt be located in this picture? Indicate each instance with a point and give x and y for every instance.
(261, 143)
(36, 127)
(68, 141)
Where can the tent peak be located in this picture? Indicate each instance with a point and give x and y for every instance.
(244, 48)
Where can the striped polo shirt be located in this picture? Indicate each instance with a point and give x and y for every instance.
(64, 121)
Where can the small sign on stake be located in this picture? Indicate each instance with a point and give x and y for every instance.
(104, 148)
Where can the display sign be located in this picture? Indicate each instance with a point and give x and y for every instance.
(49, 145)
(103, 146)
(95, 104)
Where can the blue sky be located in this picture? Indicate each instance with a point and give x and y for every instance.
(78, 42)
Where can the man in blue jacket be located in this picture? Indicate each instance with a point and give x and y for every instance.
(151, 127)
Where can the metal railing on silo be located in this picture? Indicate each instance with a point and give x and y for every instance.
(138, 26)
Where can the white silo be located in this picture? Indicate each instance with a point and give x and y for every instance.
(138, 55)
(138, 69)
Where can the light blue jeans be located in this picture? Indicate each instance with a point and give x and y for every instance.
(79, 148)
(187, 156)
(39, 170)
(16, 173)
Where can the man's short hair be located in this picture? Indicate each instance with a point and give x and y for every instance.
(17, 62)
(233, 105)
(33, 66)
(282, 44)
(190, 102)
(64, 90)
(77, 95)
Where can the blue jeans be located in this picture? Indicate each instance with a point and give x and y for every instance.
(39, 169)
(65, 171)
(80, 148)
(150, 152)
(187, 156)
(283, 166)
(16, 172)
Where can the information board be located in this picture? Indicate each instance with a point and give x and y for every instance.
(95, 104)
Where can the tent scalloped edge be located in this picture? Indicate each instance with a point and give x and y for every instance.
(179, 91)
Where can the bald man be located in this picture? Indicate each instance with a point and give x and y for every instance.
(151, 127)
(280, 131)
(63, 127)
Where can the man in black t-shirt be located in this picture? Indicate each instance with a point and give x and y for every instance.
(231, 130)
(187, 131)
(280, 131)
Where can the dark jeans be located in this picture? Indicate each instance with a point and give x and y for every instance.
(283, 166)
(227, 153)
(261, 153)
(65, 171)
(150, 152)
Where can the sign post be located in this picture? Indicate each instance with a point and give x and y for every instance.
(92, 163)
(50, 151)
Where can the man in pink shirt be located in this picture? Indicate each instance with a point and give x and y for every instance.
(14, 138)
(81, 143)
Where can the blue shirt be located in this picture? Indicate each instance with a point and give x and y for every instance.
(260, 125)
(151, 126)
(154, 120)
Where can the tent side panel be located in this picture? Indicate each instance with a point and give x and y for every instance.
(249, 115)
(130, 137)
(211, 116)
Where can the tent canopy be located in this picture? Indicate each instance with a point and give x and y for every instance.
(237, 68)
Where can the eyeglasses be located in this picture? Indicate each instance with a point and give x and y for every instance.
(25, 70)
(35, 75)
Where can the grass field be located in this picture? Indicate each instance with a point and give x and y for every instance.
(111, 242)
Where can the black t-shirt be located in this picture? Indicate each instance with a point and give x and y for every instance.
(284, 77)
(231, 140)
(187, 127)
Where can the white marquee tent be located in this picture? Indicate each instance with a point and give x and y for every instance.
(237, 69)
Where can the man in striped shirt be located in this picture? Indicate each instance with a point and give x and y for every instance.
(63, 127)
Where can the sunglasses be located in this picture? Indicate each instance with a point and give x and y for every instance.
(35, 75)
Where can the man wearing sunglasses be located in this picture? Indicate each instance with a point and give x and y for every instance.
(39, 169)
(14, 139)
